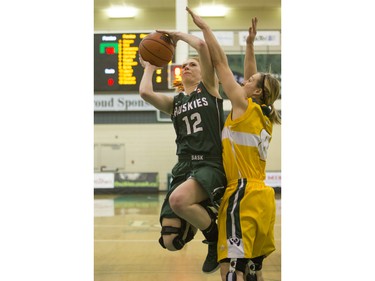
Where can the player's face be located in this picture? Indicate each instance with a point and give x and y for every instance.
(251, 85)
(191, 70)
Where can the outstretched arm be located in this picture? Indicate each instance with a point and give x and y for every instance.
(231, 88)
(207, 69)
(146, 90)
(250, 65)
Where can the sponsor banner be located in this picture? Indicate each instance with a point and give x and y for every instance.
(121, 103)
(104, 180)
(225, 38)
(263, 38)
(273, 179)
(137, 180)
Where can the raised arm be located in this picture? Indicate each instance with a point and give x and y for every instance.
(230, 86)
(207, 69)
(250, 65)
(146, 90)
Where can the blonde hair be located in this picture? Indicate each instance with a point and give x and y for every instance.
(177, 83)
(271, 92)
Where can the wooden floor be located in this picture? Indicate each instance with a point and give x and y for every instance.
(126, 230)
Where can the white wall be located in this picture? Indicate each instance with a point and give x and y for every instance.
(152, 148)
(148, 147)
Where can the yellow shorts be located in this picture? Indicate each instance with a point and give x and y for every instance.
(246, 220)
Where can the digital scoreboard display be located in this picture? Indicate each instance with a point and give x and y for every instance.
(117, 67)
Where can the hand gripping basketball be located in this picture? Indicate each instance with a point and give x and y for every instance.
(157, 48)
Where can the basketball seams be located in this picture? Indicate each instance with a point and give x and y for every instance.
(153, 55)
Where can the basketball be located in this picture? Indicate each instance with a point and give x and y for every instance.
(157, 49)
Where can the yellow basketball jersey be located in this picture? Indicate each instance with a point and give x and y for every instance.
(245, 144)
(247, 211)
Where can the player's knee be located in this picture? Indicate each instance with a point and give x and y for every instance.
(233, 268)
(167, 242)
(177, 203)
(174, 238)
(256, 264)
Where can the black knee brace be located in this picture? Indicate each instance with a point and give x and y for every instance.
(236, 264)
(254, 265)
(247, 266)
(185, 233)
(251, 273)
(257, 263)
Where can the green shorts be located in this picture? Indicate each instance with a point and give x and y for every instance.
(209, 174)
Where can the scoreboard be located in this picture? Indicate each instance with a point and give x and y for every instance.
(116, 64)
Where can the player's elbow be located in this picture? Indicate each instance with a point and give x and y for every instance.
(144, 93)
(201, 44)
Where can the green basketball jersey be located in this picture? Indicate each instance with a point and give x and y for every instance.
(198, 119)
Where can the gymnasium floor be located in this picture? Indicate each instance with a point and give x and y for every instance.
(126, 230)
